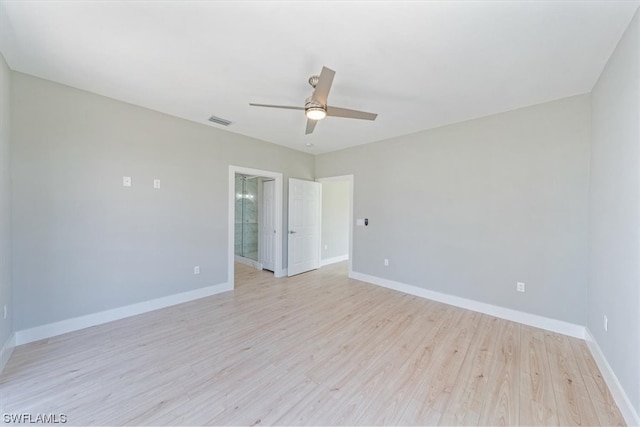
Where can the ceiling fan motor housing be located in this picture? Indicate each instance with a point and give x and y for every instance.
(312, 103)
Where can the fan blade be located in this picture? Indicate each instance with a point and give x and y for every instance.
(350, 114)
(311, 125)
(288, 107)
(321, 92)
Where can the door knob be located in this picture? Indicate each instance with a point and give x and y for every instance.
(292, 232)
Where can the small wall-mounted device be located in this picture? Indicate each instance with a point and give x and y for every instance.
(362, 222)
(366, 221)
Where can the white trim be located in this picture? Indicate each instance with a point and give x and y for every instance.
(534, 320)
(6, 351)
(350, 180)
(81, 322)
(336, 178)
(279, 271)
(619, 395)
(319, 213)
(334, 260)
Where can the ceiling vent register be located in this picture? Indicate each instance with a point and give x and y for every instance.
(219, 121)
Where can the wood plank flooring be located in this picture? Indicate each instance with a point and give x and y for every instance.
(314, 349)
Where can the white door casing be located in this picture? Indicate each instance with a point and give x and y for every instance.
(304, 226)
(267, 239)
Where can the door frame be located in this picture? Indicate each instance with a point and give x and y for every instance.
(350, 180)
(277, 176)
(261, 232)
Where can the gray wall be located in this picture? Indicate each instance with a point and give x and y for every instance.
(6, 326)
(82, 242)
(472, 208)
(335, 219)
(614, 213)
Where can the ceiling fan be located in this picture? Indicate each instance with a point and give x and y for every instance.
(316, 108)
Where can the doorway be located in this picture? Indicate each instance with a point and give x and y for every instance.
(246, 187)
(337, 221)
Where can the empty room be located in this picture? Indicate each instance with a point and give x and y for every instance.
(320, 212)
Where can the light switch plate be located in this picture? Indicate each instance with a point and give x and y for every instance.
(126, 181)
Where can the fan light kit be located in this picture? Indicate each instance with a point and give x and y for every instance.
(316, 108)
(315, 113)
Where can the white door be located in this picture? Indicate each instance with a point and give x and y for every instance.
(304, 226)
(267, 240)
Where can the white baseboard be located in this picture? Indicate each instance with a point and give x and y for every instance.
(77, 323)
(534, 320)
(334, 260)
(6, 350)
(619, 395)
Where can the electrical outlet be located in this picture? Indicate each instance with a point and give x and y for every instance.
(386, 262)
(156, 183)
(196, 269)
(520, 287)
(606, 323)
(4, 316)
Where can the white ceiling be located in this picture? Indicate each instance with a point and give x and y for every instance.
(418, 65)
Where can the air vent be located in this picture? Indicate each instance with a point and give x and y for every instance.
(219, 121)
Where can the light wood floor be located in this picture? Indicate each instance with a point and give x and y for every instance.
(315, 349)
